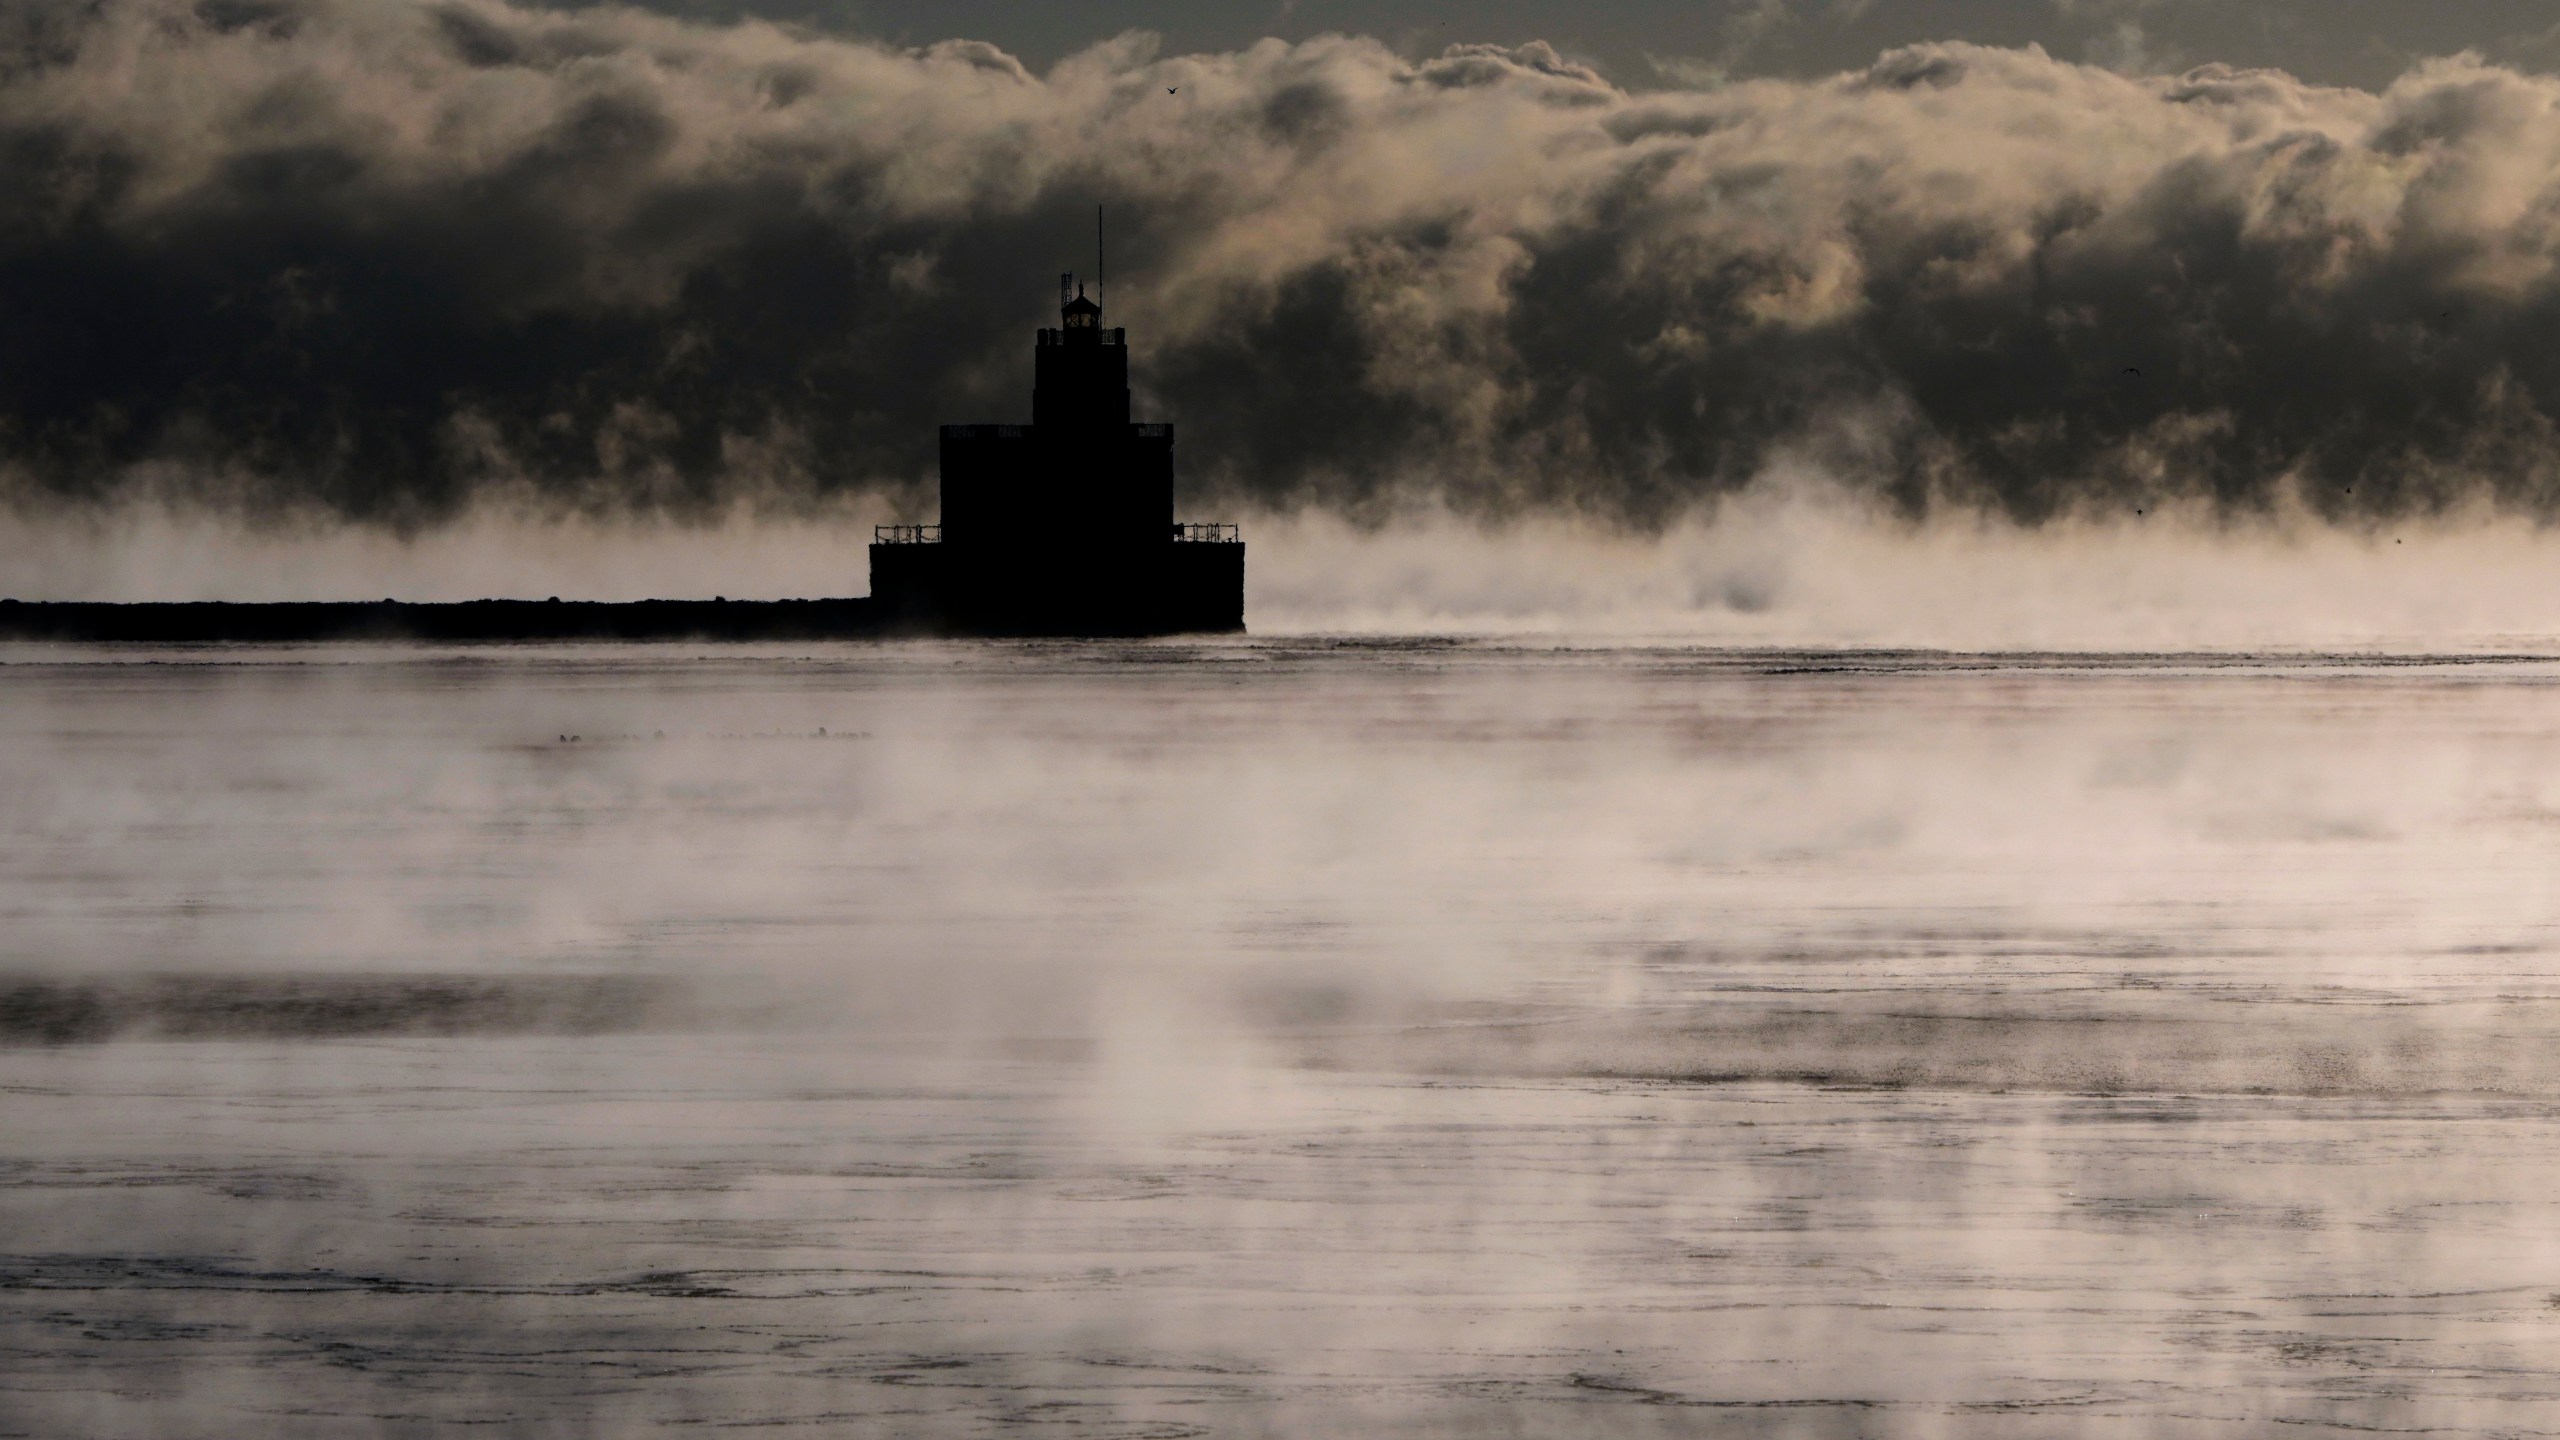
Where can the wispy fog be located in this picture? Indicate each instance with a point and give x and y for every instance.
(1793, 560)
(1896, 772)
(1800, 561)
(1287, 1035)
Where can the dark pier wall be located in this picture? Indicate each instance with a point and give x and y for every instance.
(918, 590)
(469, 620)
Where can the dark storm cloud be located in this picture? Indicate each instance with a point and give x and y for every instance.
(387, 260)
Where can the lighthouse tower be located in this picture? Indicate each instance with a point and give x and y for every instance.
(1064, 526)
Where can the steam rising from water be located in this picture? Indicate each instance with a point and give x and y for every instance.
(1245, 828)
(1801, 562)
(1792, 561)
(1303, 1036)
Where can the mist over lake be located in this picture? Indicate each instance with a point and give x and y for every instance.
(1285, 1036)
(1887, 766)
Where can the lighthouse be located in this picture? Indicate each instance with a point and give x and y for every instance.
(1064, 526)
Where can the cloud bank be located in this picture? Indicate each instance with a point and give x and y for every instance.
(394, 263)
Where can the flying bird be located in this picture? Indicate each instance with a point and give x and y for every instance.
(2136, 374)
(1169, 89)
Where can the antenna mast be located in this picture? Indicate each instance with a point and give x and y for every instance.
(1100, 271)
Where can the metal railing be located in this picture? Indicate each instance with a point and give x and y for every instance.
(1151, 430)
(1183, 533)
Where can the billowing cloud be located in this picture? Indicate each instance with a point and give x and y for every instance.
(385, 261)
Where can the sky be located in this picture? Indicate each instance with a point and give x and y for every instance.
(1659, 42)
(345, 262)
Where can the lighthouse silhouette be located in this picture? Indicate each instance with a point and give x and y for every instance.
(1064, 526)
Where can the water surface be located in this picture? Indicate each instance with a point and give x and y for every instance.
(1276, 1037)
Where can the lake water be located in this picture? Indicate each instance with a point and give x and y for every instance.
(1277, 1037)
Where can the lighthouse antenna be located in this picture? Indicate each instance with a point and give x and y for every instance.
(1100, 271)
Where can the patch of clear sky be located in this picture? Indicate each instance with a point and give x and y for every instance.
(1651, 43)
